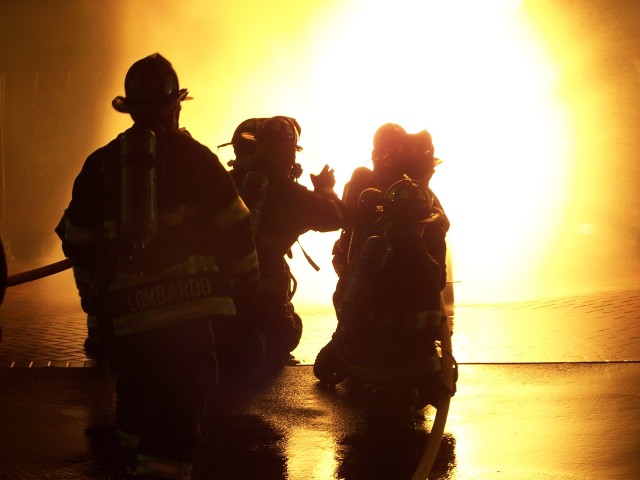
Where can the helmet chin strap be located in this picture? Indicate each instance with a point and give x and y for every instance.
(309, 259)
(174, 118)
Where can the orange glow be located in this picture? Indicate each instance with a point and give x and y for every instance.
(477, 79)
(499, 84)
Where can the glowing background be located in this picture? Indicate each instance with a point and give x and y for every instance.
(531, 105)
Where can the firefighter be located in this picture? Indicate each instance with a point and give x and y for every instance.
(243, 149)
(390, 310)
(156, 223)
(395, 153)
(282, 210)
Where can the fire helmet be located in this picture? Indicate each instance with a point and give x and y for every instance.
(415, 156)
(278, 131)
(249, 125)
(407, 202)
(418, 144)
(386, 139)
(151, 87)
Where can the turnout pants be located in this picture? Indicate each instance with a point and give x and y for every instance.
(164, 377)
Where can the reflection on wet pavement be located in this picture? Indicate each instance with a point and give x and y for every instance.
(547, 390)
(43, 326)
(525, 422)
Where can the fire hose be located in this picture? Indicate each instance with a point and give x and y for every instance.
(30, 275)
(38, 273)
(449, 377)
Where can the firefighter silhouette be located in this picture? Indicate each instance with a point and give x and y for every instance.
(390, 311)
(165, 245)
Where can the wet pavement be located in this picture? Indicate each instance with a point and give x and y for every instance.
(547, 390)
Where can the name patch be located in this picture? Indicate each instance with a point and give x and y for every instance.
(161, 293)
(158, 295)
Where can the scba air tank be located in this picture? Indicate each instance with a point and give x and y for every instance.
(138, 219)
(364, 224)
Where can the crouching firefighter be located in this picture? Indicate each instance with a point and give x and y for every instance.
(389, 310)
(151, 215)
(282, 210)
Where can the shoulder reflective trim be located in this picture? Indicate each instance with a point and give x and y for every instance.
(167, 315)
(408, 320)
(231, 214)
(163, 467)
(246, 264)
(82, 235)
(128, 440)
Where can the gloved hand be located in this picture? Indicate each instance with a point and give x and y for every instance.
(326, 179)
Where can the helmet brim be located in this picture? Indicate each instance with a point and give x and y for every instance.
(252, 138)
(124, 105)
